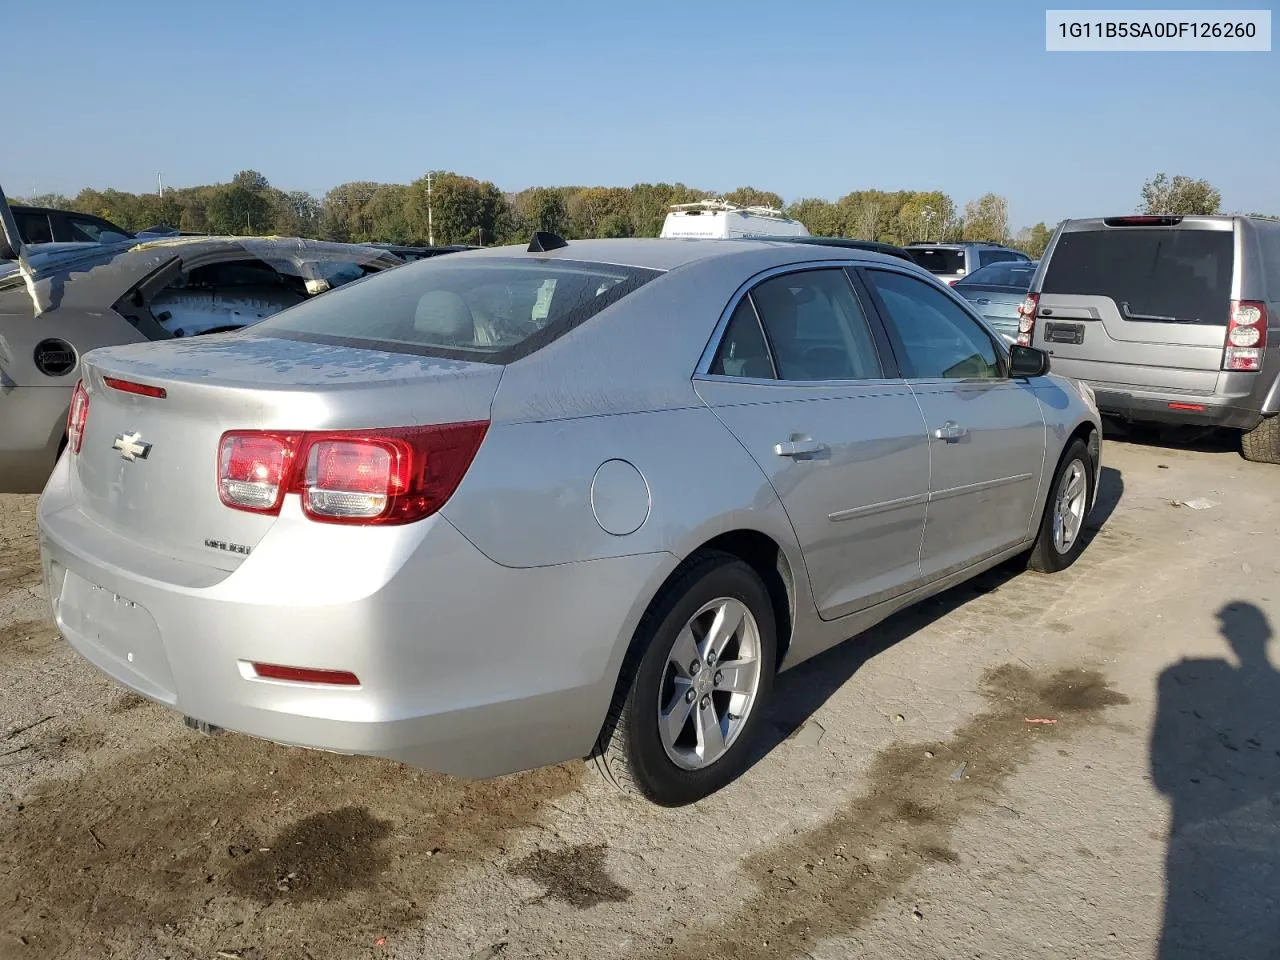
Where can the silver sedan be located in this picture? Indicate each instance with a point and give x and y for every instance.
(499, 509)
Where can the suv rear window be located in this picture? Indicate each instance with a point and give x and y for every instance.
(939, 261)
(489, 309)
(1169, 275)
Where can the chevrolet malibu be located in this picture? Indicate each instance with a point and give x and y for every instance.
(500, 509)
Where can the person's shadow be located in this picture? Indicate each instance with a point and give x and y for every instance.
(1215, 754)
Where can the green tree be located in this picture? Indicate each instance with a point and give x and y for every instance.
(541, 208)
(822, 218)
(463, 209)
(345, 211)
(592, 208)
(1033, 240)
(55, 201)
(1179, 195)
(987, 218)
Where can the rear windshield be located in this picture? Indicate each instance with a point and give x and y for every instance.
(1175, 276)
(1014, 276)
(495, 310)
(939, 261)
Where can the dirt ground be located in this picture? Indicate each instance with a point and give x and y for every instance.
(1024, 767)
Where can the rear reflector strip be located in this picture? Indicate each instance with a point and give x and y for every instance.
(1193, 407)
(139, 389)
(273, 671)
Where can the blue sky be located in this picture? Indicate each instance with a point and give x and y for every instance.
(807, 98)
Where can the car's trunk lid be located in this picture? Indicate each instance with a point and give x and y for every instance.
(1151, 298)
(147, 468)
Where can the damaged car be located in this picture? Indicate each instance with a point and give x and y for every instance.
(60, 300)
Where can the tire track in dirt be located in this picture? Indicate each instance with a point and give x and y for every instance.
(829, 880)
(229, 843)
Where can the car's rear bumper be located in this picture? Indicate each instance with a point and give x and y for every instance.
(1165, 407)
(465, 666)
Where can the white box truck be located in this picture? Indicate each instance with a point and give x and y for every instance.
(720, 220)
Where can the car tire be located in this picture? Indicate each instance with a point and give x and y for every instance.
(1262, 443)
(1057, 549)
(666, 760)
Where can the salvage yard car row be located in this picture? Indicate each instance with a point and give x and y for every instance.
(670, 467)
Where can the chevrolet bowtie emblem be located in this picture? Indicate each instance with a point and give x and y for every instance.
(131, 446)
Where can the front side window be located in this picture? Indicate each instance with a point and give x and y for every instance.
(486, 309)
(996, 256)
(940, 340)
(816, 328)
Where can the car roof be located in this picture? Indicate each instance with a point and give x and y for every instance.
(46, 258)
(668, 253)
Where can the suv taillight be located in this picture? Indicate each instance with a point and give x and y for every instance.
(1246, 336)
(382, 476)
(77, 417)
(1027, 319)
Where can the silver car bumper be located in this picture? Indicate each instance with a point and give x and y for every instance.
(465, 666)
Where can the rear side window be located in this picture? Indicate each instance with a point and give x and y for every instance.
(34, 228)
(939, 261)
(816, 327)
(93, 231)
(743, 352)
(996, 256)
(1169, 275)
(495, 310)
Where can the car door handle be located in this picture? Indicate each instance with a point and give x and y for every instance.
(950, 432)
(799, 448)
(983, 300)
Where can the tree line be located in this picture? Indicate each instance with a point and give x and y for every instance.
(451, 208)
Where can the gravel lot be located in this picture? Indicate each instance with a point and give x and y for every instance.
(904, 806)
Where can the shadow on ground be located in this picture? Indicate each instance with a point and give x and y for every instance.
(1194, 439)
(799, 693)
(1215, 755)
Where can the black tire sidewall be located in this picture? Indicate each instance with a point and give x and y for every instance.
(656, 774)
(1051, 558)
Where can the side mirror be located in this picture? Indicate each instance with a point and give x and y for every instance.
(1027, 362)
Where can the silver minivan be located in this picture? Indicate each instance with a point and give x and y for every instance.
(1170, 320)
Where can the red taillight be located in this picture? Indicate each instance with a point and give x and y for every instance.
(1246, 336)
(1144, 220)
(139, 389)
(381, 476)
(1027, 319)
(274, 671)
(253, 469)
(1189, 407)
(77, 417)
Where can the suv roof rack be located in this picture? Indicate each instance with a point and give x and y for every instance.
(957, 243)
(717, 205)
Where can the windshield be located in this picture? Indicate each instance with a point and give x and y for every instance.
(1013, 275)
(484, 309)
(1171, 275)
(937, 260)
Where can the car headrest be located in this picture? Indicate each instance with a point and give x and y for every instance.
(443, 315)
